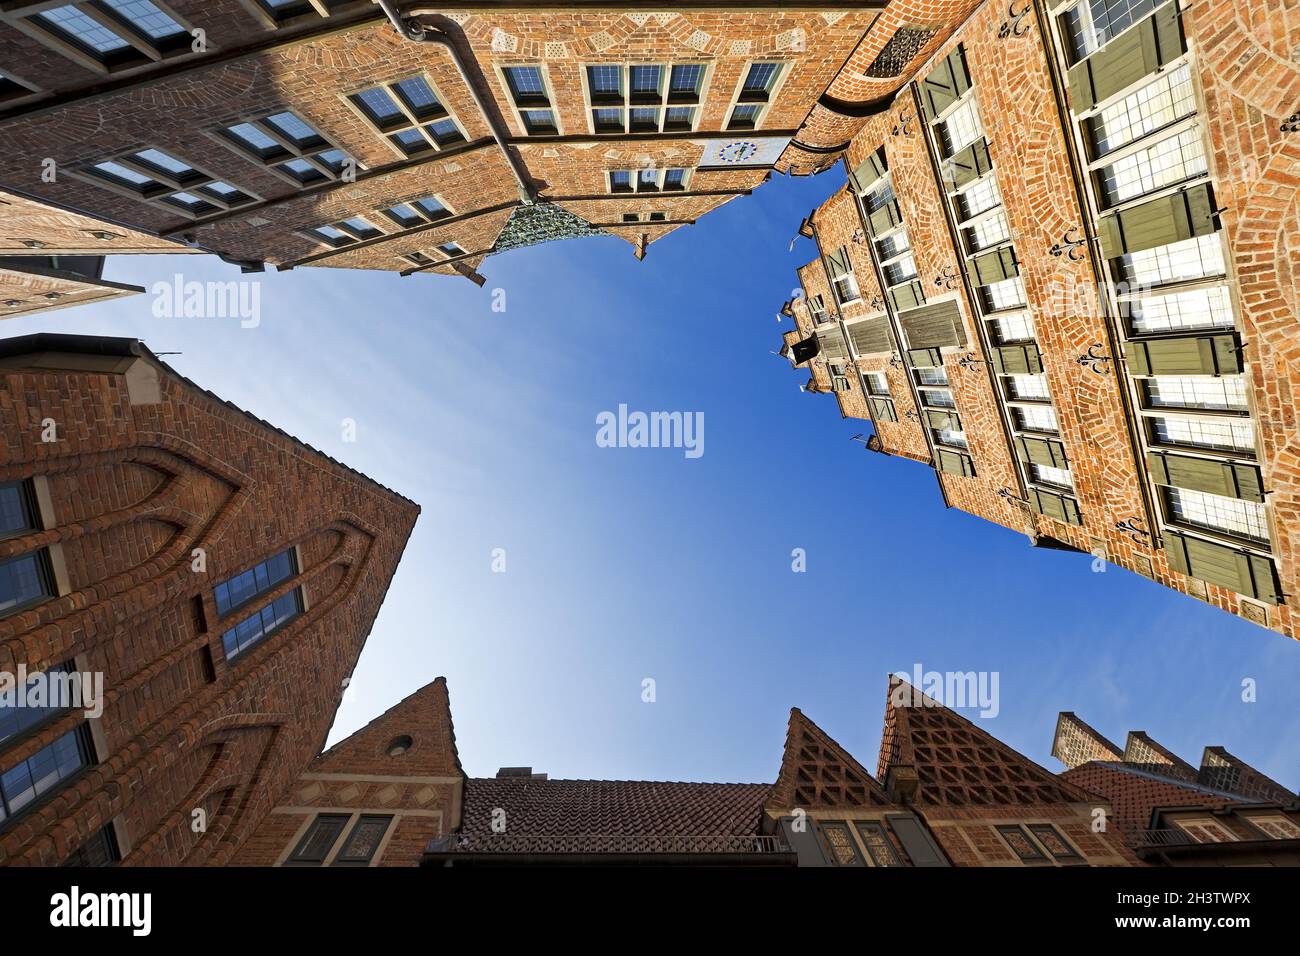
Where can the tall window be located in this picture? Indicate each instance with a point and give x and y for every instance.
(754, 97)
(100, 850)
(531, 98)
(44, 771)
(236, 591)
(644, 98)
(262, 624)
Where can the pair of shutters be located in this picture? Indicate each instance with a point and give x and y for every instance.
(868, 171)
(968, 165)
(907, 296)
(1230, 479)
(885, 218)
(1203, 355)
(1125, 60)
(1228, 567)
(940, 419)
(924, 358)
(832, 343)
(1018, 359)
(838, 262)
(996, 266)
(1041, 451)
(871, 336)
(916, 841)
(1184, 215)
(1059, 507)
(954, 463)
(882, 409)
(945, 85)
(934, 326)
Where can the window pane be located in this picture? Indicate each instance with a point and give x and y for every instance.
(1158, 104)
(1162, 164)
(1204, 433)
(251, 136)
(1189, 259)
(1037, 418)
(431, 207)
(1052, 476)
(118, 171)
(83, 29)
(1015, 327)
(686, 78)
(146, 18)
(41, 772)
(156, 157)
(1033, 387)
(1006, 294)
(961, 128)
(378, 104)
(760, 77)
(15, 516)
(981, 197)
(418, 96)
(606, 80)
(525, 80)
(1200, 391)
(1198, 309)
(645, 79)
(21, 581)
(293, 128)
(1215, 512)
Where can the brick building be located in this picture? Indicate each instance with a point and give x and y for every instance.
(1223, 813)
(220, 575)
(946, 794)
(355, 134)
(1060, 274)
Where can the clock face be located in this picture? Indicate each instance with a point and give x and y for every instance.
(741, 151)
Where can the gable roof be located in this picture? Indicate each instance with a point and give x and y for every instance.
(956, 763)
(1134, 793)
(817, 772)
(424, 716)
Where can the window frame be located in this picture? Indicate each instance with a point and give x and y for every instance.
(408, 120)
(761, 101)
(625, 101)
(165, 184)
(295, 857)
(290, 151)
(523, 103)
(140, 49)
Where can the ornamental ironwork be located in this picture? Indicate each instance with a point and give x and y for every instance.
(1017, 22)
(1095, 360)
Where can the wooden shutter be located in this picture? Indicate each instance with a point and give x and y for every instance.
(940, 419)
(945, 85)
(1041, 451)
(882, 409)
(1018, 359)
(916, 841)
(837, 261)
(832, 343)
(1229, 567)
(1203, 355)
(955, 463)
(995, 266)
(1126, 59)
(868, 171)
(1183, 215)
(907, 296)
(934, 326)
(871, 336)
(1230, 479)
(803, 840)
(885, 218)
(1059, 507)
(968, 165)
(924, 358)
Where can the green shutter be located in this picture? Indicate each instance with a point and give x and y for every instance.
(945, 85)
(955, 463)
(1041, 451)
(884, 218)
(939, 419)
(924, 358)
(1203, 355)
(868, 171)
(1230, 479)
(832, 342)
(934, 326)
(837, 261)
(1183, 215)
(1059, 507)
(968, 165)
(1126, 59)
(995, 266)
(1228, 567)
(882, 409)
(871, 336)
(907, 296)
(1018, 359)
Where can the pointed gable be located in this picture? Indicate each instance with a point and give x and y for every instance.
(956, 763)
(424, 717)
(1142, 751)
(817, 772)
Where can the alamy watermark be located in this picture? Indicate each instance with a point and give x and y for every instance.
(651, 430)
(54, 690)
(958, 689)
(180, 299)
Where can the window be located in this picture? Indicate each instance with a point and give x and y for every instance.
(901, 270)
(1205, 831)
(332, 236)
(1030, 387)
(1214, 434)
(949, 436)
(1050, 475)
(937, 398)
(237, 591)
(1226, 393)
(1174, 160)
(1054, 842)
(980, 197)
(745, 116)
(817, 309)
(893, 245)
(419, 212)
(644, 98)
(24, 581)
(363, 841)
(15, 720)
(113, 34)
(451, 250)
(44, 771)
(932, 376)
(961, 128)
(316, 843)
(1094, 23)
(410, 114)
(532, 99)
(1158, 104)
(987, 233)
(843, 280)
(1278, 827)
(346, 232)
(876, 383)
(880, 849)
(1200, 509)
(100, 850)
(646, 180)
(1189, 259)
(418, 258)
(1035, 418)
(1197, 309)
(753, 98)
(18, 511)
(1022, 844)
(289, 146)
(1007, 294)
(162, 179)
(837, 840)
(262, 624)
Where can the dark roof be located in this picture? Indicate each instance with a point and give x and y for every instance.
(124, 347)
(592, 816)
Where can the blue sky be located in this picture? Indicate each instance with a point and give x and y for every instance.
(624, 564)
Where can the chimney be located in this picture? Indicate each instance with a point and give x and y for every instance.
(524, 773)
(1076, 743)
